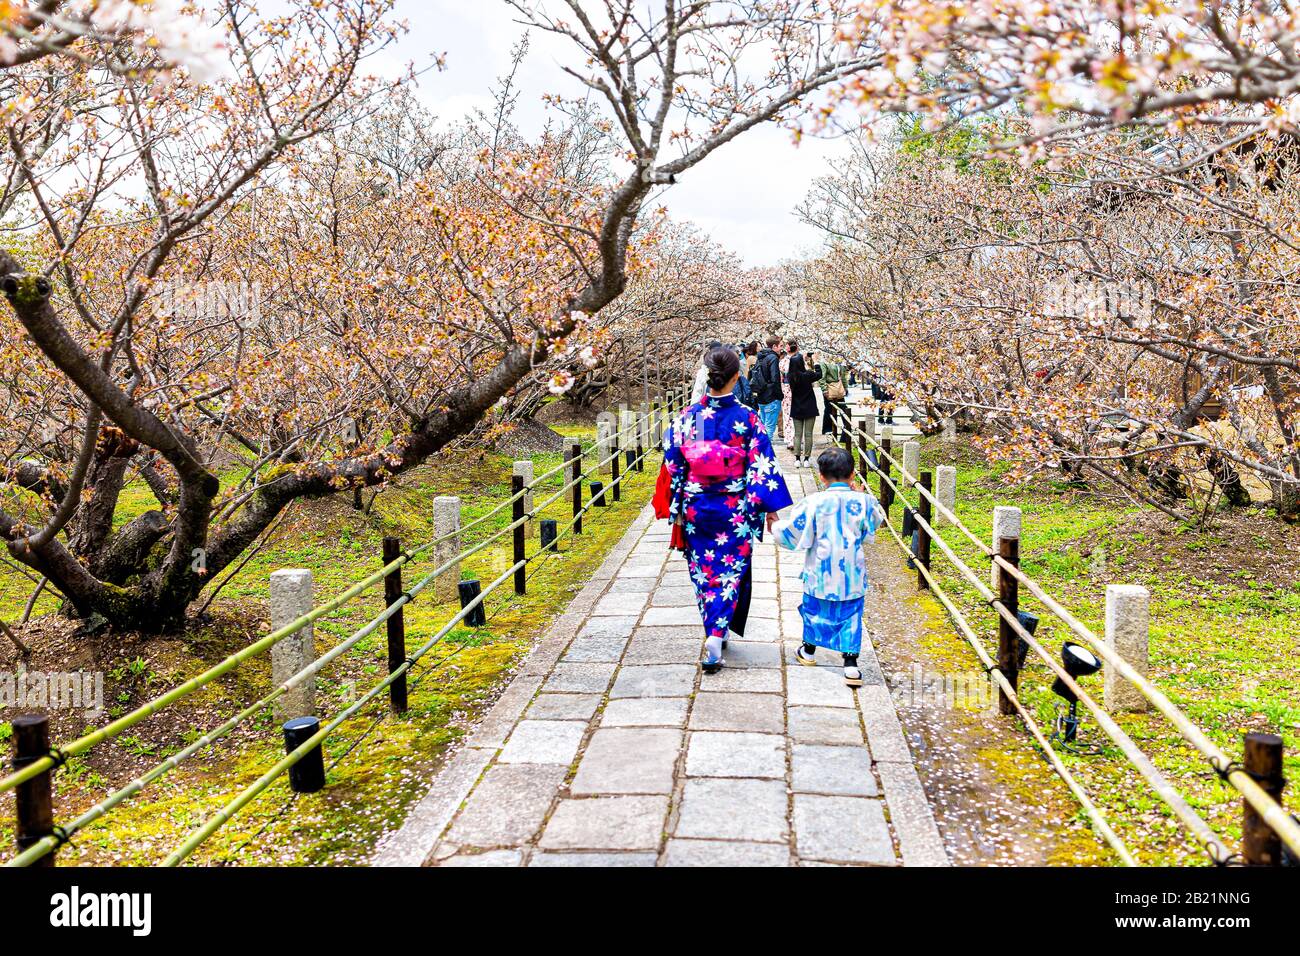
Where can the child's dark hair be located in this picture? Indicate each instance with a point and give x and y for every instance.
(835, 464)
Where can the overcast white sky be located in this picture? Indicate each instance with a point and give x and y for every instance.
(743, 195)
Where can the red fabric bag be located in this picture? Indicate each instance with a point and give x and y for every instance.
(662, 503)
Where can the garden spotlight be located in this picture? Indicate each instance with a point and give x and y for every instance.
(1079, 662)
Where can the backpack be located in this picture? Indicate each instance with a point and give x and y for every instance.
(758, 383)
(743, 392)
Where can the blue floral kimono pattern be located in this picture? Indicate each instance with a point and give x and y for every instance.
(832, 526)
(724, 479)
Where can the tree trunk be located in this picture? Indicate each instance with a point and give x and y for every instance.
(105, 479)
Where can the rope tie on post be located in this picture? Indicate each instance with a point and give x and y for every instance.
(1226, 770)
(58, 758)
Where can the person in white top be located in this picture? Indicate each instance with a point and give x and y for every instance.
(701, 383)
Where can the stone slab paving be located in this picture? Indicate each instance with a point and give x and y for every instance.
(611, 748)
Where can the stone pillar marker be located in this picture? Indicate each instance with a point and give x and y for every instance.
(623, 421)
(1006, 524)
(1127, 621)
(291, 598)
(631, 432)
(945, 489)
(949, 433)
(524, 469)
(870, 422)
(911, 462)
(886, 432)
(604, 430)
(446, 521)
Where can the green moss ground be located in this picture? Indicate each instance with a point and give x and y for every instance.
(384, 762)
(1224, 645)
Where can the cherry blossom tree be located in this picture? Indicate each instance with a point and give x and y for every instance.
(1126, 327)
(687, 290)
(113, 175)
(260, 289)
(119, 35)
(1076, 68)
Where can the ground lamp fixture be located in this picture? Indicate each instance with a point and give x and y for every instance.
(1030, 623)
(1078, 662)
(911, 531)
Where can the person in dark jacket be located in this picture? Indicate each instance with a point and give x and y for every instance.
(743, 391)
(803, 403)
(765, 386)
(885, 399)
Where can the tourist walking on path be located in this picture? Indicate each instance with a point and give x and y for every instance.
(765, 383)
(743, 391)
(885, 402)
(724, 481)
(787, 351)
(835, 392)
(832, 526)
(803, 403)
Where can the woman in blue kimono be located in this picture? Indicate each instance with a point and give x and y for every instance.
(724, 480)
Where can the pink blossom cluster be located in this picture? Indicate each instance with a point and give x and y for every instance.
(1076, 65)
(173, 30)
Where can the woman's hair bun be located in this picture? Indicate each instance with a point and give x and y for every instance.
(722, 364)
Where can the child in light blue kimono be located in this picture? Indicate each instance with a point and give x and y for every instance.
(832, 526)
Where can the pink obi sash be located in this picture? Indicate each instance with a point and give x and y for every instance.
(711, 460)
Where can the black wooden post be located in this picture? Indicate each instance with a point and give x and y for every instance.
(396, 625)
(614, 483)
(642, 436)
(923, 540)
(469, 589)
(1260, 846)
(33, 799)
(575, 476)
(521, 572)
(863, 459)
(886, 492)
(308, 774)
(1008, 639)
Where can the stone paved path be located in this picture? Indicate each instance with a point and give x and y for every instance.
(612, 748)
